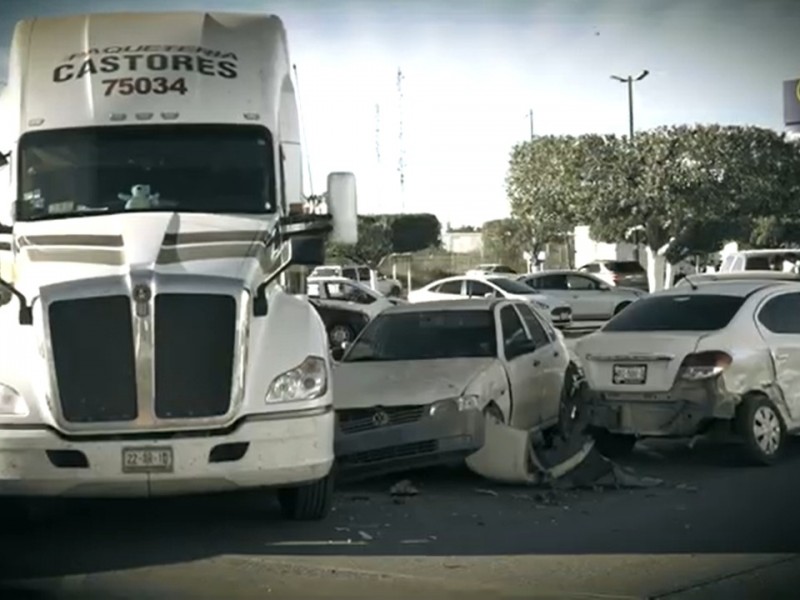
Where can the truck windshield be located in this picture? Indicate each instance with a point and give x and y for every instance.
(177, 168)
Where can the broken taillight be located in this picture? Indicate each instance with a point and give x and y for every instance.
(704, 365)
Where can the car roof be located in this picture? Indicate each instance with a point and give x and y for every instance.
(440, 305)
(557, 272)
(734, 287)
(743, 276)
(762, 251)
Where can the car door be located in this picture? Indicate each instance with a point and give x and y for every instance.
(554, 286)
(447, 290)
(522, 370)
(553, 361)
(778, 321)
(587, 299)
(479, 289)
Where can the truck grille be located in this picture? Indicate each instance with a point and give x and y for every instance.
(194, 351)
(92, 342)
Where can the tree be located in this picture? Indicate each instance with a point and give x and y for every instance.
(413, 232)
(374, 242)
(505, 240)
(551, 182)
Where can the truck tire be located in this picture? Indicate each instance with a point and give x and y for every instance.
(761, 427)
(613, 445)
(309, 502)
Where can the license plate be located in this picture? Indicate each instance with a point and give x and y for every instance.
(147, 460)
(630, 374)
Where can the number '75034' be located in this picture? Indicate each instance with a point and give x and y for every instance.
(127, 86)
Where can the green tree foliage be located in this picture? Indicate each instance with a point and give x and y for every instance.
(504, 241)
(413, 232)
(381, 235)
(696, 185)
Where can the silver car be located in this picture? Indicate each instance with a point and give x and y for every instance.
(591, 298)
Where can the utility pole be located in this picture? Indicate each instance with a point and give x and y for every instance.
(629, 80)
(303, 132)
(379, 170)
(530, 117)
(401, 150)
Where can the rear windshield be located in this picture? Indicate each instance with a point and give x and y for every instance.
(697, 312)
(426, 335)
(625, 266)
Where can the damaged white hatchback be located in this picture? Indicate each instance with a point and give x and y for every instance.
(722, 357)
(416, 387)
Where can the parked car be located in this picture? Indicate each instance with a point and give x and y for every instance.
(349, 292)
(721, 357)
(343, 323)
(492, 269)
(625, 273)
(385, 285)
(454, 288)
(590, 298)
(775, 259)
(693, 280)
(415, 387)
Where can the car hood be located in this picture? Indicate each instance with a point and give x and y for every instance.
(59, 250)
(398, 383)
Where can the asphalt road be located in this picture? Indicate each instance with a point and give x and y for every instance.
(713, 529)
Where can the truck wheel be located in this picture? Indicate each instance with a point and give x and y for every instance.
(340, 334)
(621, 306)
(613, 445)
(310, 502)
(761, 427)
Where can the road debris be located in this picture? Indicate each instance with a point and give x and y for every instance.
(403, 488)
(364, 535)
(486, 492)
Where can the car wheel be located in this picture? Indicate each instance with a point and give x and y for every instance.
(310, 502)
(614, 445)
(621, 306)
(761, 427)
(572, 392)
(394, 291)
(340, 334)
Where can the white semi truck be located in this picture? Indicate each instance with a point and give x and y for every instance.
(151, 169)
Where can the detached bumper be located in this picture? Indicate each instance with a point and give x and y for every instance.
(278, 450)
(373, 449)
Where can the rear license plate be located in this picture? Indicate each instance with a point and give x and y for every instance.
(630, 374)
(147, 460)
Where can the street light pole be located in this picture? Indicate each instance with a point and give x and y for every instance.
(629, 81)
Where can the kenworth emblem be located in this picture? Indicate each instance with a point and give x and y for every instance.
(142, 296)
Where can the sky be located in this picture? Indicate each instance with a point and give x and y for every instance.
(473, 69)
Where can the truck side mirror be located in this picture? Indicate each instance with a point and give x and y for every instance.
(342, 206)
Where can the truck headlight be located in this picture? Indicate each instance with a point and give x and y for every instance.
(307, 381)
(11, 403)
(460, 404)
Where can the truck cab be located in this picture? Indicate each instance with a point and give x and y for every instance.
(150, 173)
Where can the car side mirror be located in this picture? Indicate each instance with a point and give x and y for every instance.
(489, 295)
(604, 288)
(342, 206)
(338, 352)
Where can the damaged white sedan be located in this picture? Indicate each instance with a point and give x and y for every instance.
(722, 357)
(417, 386)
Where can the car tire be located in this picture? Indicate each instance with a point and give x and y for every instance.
(340, 334)
(759, 424)
(614, 445)
(309, 502)
(572, 392)
(620, 307)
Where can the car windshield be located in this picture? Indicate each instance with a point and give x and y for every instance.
(700, 312)
(625, 266)
(511, 286)
(182, 168)
(426, 335)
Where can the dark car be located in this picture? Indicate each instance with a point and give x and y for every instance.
(343, 324)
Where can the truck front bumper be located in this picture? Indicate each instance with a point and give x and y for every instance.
(276, 450)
